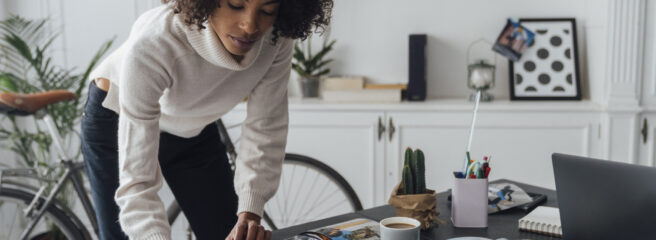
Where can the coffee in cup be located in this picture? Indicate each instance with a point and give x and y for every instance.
(399, 228)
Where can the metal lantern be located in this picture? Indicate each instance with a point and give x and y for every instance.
(480, 72)
(480, 77)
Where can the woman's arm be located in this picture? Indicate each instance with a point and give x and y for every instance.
(264, 135)
(142, 81)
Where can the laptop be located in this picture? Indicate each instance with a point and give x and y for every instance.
(601, 199)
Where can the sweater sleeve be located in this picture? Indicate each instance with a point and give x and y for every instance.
(264, 135)
(142, 79)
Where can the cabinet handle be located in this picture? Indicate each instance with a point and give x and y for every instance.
(392, 129)
(381, 128)
(645, 131)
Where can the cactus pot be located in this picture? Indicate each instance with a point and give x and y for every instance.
(422, 207)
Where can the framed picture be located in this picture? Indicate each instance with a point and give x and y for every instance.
(549, 68)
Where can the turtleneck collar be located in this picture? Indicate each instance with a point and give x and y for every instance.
(208, 45)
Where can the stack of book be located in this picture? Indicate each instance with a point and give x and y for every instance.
(354, 90)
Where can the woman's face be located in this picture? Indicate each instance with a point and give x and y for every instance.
(240, 23)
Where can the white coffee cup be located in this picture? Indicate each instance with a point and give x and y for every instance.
(392, 228)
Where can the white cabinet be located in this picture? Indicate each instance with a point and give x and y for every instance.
(520, 142)
(346, 141)
(365, 142)
(646, 140)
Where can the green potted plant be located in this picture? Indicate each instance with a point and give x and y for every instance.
(26, 67)
(411, 198)
(311, 67)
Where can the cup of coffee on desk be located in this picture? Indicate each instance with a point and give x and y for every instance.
(399, 228)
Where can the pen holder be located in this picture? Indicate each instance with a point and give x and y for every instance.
(469, 203)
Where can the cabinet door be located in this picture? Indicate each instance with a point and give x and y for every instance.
(520, 143)
(347, 141)
(646, 141)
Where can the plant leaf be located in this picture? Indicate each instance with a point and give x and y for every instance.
(19, 45)
(324, 63)
(317, 58)
(324, 72)
(298, 54)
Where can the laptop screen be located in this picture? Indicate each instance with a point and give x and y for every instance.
(601, 199)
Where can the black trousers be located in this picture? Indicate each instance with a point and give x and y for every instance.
(196, 169)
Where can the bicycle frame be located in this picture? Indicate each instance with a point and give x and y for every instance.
(33, 211)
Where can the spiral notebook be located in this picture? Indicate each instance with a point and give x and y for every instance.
(542, 220)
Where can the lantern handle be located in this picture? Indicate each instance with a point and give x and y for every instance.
(476, 42)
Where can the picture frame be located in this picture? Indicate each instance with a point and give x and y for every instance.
(549, 69)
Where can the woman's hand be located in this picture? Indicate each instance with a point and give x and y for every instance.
(248, 227)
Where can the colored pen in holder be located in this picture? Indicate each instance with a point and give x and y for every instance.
(469, 203)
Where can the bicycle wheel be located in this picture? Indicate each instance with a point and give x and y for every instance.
(309, 190)
(55, 224)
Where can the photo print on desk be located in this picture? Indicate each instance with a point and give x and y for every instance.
(549, 69)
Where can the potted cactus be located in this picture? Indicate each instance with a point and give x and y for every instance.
(411, 198)
(414, 172)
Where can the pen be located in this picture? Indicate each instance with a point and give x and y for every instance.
(480, 173)
(468, 161)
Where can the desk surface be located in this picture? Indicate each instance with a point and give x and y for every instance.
(500, 225)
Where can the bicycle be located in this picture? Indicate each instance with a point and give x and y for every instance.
(38, 213)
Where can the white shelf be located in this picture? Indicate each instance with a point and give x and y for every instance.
(297, 104)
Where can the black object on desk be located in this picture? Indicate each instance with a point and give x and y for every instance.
(528, 207)
(500, 225)
(537, 200)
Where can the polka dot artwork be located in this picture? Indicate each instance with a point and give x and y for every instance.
(548, 69)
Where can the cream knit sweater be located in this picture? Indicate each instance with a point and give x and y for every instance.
(170, 77)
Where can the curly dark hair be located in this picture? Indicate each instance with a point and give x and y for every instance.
(297, 19)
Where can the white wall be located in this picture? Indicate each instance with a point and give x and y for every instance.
(84, 25)
(372, 37)
(3, 10)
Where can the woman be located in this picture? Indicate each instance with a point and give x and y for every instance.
(155, 99)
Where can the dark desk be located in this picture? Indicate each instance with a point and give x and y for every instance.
(500, 225)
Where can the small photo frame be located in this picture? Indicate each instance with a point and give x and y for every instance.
(549, 68)
(513, 40)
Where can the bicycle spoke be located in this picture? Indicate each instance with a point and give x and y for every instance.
(278, 204)
(287, 201)
(282, 210)
(291, 213)
(309, 193)
(320, 199)
(331, 208)
(14, 221)
(318, 196)
(332, 194)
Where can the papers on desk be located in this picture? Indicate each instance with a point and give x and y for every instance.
(502, 196)
(356, 229)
